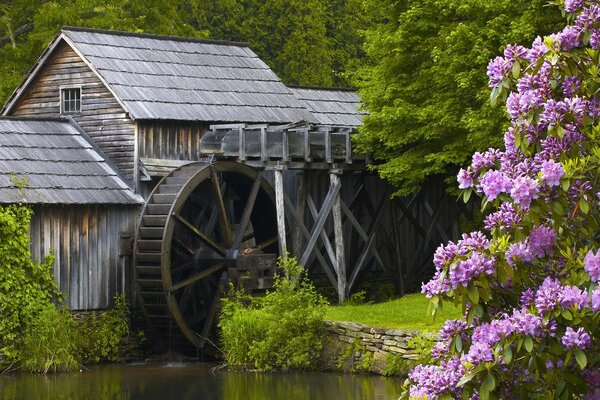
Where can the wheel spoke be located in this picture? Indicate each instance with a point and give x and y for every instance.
(212, 312)
(183, 267)
(223, 218)
(185, 298)
(200, 235)
(187, 249)
(200, 275)
(247, 212)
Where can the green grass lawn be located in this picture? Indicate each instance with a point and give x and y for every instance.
(407, 312)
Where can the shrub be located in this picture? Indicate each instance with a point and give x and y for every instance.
(282, 330)
(529, 285)
(26, 287)
(49, 343)
(98, 336)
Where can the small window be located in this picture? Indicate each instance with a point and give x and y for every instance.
(70, 100)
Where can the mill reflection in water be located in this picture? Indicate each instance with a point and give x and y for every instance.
(195, 381)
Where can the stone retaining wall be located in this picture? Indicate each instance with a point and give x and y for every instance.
(367, 347)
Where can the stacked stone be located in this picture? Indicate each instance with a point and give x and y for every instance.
(379, 341)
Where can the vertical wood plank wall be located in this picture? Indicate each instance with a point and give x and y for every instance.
(170, 140)
(86, 243)
(102, 117)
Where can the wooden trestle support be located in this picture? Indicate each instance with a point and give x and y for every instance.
(326, 209)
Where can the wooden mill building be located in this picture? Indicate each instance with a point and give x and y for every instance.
(165, 167)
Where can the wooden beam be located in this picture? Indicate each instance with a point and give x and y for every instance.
(242, 143)
(428, 235)
(430, 211)
(372, 234)
(397, 251)
(306, 233)
(263, 144)
(320, 222)
(324, 237)
(285, 146)
(306, 134)
(280, 209)
(221, 209)
(339, 240)
(328, 157)
(247, 213)
(348, 147)
(302, 195)
(196, 277)
(361, 232)
(200, 235)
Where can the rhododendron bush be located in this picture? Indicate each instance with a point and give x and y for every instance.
(528, 282)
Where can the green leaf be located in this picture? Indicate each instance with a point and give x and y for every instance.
(458, 343)
(580, 357)
(516, 69)
(473, 294)
(490, 382)
(507, 354)
(584, 206)
(484, 394)
(528, 343)
(467, 195)
(464, 380)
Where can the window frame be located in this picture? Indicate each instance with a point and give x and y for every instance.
(61, 95)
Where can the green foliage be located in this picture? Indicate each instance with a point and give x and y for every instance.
(26, 287)
(49, 342)
(34, 333)
(425, 83)
(305, 42)
(282, 330)
(356, 298)
(422, 345)
(98, 336)
(396, 364)
(355, 358)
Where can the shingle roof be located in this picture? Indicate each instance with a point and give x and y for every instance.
(336, 107)
(58, 165)
(163, 77)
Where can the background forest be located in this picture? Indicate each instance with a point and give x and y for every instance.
(419, 65)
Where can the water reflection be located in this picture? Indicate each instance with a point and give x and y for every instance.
(195, 381)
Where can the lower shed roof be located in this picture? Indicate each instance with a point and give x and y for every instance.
(51, 161)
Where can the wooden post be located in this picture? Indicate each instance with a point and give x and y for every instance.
(263, 144)
(241, 143)
(338, 230)
(280, 208)
(301, 206)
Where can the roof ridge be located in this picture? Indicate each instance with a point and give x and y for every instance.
(154, 36)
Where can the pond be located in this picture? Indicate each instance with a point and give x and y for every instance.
(195, 381)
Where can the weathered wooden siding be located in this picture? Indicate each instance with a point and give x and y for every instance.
(170, 140)
(102, 117)
(85, 241)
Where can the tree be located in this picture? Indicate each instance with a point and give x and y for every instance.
(425, 89)
(529, 286)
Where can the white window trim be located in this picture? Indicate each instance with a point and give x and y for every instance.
(61, 100)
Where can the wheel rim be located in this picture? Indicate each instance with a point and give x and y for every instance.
(217, 212)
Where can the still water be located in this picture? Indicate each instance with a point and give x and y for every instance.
(195, 381)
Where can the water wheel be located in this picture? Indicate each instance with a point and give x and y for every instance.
(195, 226)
